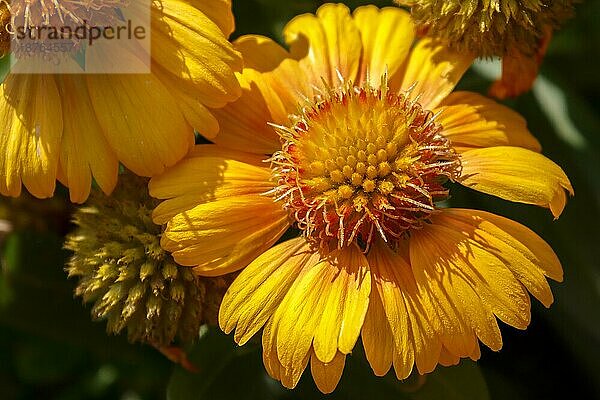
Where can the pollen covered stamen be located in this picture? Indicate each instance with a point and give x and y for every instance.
(362, 161)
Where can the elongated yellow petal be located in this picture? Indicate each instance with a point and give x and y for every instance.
(197, 115)
(446, 251)
(327, 375)
(470, 120)
(30, 136)
(187, 44)
(377, 337)
(433, 70)
(324, 324)
(224, 235)
(260, 53)
(388, 271)
(219, 11)
(448, 359)
(208, 173)
(431, 268)
(381, 31)
(219, 219)
(288, 376)
(88, 154)
(430, 300)
(326, 44)
(345, 306)
(272, 85)
(524, 253)
(141, 121)
(269, 344)
(516, 174)
(420, 312)
(259, 289)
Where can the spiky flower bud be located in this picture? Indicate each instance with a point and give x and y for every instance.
(518, 31)
(134, 284)
(490, 27)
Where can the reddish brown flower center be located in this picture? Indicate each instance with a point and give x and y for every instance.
(361, 162)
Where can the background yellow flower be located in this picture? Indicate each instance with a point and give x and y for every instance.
(77, 127)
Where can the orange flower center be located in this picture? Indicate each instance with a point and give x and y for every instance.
(361, 162)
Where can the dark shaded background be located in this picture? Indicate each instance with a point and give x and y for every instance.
(49, 348)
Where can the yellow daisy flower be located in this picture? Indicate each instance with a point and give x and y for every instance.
(361, 140)
(77, 127)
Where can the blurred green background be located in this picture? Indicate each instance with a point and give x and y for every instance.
(49, 348)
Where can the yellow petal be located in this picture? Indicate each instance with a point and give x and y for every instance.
(224, 235)
(476, 355)
(431, 267)
(219, 11)
(433, 70)
(30, 138)
(377, 337)
(271, 86)
(269, 344)
(244, 123)
(516, 174)
(524, 253)
(198, 116)
(393, 281)
(346, 302)
(381, 31)
(326, 44)
(208, 173)
(470, 120)
(88, 153)
(219, 219)
(260, 53)
(448, 359)
(420, 313)
(187, 44)
(427, 344)
(327, 375)
(259, 289)
(306, 314)
(455, 253)
(289, 377)
(141, 121)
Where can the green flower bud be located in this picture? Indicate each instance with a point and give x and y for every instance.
(133, 284)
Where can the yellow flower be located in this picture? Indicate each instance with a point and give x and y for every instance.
(77, 127)
(374, 131)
